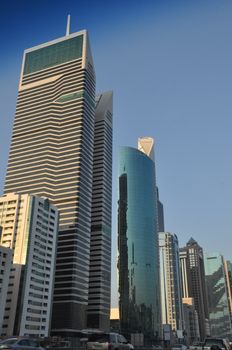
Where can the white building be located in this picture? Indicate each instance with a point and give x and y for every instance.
(29, 227)
(171, 297)
(5, 265)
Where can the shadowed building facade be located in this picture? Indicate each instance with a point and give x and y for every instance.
(100, 244)
(52, 155)
(139, 297)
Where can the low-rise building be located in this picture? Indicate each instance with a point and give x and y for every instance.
(5, 266)
(191, 324)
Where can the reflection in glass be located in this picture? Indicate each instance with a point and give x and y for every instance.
(139, 299)
(219, 314)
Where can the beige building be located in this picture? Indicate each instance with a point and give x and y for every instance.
(62, 149)
(29, 227)
(170, 283)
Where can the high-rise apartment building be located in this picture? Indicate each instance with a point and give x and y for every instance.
(170, 282)
(193, 282)
(219, 308)
(185, 273)
(5, 266)
(52, 154)
(138, 263)
(29, 227)
(100, 244)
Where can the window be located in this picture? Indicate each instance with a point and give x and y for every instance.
(53, 55)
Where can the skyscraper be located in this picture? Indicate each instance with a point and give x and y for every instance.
(139, 297)
(170, 283)
(219, 308)
(51, 155)
(29, 227)
(100, 249)
(193, 282)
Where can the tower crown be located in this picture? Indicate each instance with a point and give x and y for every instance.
(146, 145)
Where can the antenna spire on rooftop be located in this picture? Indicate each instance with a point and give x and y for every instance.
(68, 26)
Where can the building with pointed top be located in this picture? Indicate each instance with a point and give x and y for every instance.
(193, 282)
(52, 154)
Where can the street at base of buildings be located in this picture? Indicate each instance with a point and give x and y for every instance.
(20, 344)
(221, 343)
(108, 341)
(179, 347)
(196, 346)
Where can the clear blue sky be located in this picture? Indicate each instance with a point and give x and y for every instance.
(169, 63)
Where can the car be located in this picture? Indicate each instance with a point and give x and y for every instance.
(108, 341)
(179, 347)
(15, 343)
(220, 343)
(196, 346)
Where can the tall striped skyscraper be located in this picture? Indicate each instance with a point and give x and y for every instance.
(100, 252)
(51, 155)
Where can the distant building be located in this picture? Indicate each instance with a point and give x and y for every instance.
(138, 263)
(191, 324)
(185, 273)
(219, 308)
(193, 282)
(29, 227)
(170, 283)
(5, 267)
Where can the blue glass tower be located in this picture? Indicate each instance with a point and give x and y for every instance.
(139, 296)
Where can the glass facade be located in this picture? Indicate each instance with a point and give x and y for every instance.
(76, 95)
(53, 55)
(219, 313)
(139, 297)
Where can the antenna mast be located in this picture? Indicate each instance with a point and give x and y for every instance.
(68, 26)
